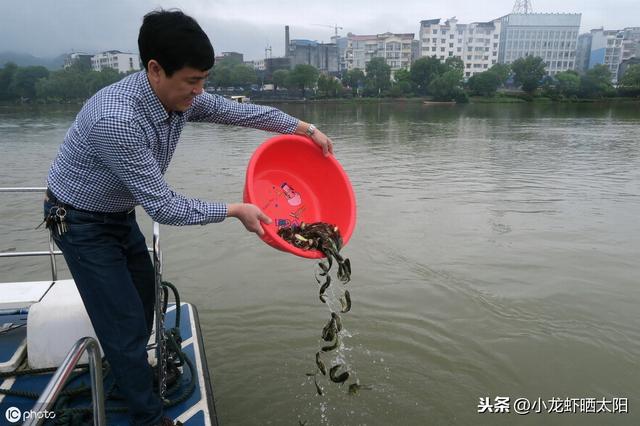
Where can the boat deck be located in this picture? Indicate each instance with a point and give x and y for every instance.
(197, 408)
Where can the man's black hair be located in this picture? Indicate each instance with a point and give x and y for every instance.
(175, 40)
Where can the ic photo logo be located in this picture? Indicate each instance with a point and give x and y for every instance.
(13, 415)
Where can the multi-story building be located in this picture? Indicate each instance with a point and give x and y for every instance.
(323, 56)
(612, 47)
(259, 64)
(631, 43)
(119, 61)
(83, 59)
(396, 49)
(477, 44)
(551, 36)
(341, 44)
(583, 51)
(231, 56)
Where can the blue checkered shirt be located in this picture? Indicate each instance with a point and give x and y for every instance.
(116, 152)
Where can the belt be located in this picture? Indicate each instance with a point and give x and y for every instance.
(51, 197)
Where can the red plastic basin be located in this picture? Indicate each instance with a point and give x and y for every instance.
(290, 179)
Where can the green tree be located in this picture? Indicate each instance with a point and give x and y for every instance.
(630, 81)
(484, 83)
(23, 84)
(596, 82)
(454, 63)
(324, 85)
(502, 71)
(243, 75)
(221, 75)
(402, 85)
(424, 71)
(280, 78)
(6, 77)
(329, 87)
(354, 79)
(96, 80)
(378, 76)
(528, 72)
(447, 86)
(303, 77)
(568, 83)
(64, 85)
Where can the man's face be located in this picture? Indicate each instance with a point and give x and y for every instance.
(176, 93)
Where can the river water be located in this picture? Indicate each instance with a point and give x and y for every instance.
(495, 256)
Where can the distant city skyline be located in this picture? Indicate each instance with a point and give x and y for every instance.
(46, 28)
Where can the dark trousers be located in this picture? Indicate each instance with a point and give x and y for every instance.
(108, 259)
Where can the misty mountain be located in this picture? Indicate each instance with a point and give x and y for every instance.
(25, 60)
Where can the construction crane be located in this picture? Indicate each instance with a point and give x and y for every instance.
(522, 6)
(335, 27)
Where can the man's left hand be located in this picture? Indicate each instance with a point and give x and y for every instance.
(323, 141)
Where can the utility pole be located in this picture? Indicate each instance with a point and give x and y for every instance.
(522, 7)
(335, 27)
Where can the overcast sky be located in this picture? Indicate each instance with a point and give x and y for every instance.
(51, 27)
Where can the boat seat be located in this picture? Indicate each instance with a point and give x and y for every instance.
(15, 299)
(22, 294)
(55, 324)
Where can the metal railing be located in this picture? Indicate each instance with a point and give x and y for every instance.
(52, 253)
(60, 378)
(58, 381)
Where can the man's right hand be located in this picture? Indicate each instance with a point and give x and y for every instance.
(250, 216)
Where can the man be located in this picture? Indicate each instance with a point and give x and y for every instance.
(112, 159)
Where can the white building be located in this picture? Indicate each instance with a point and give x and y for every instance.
(77, 58)
(551, 36)
(119, 61)
(394, 48)
(611, 47)
(259, 64)
(477, 44)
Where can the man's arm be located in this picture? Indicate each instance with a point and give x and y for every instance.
(121, 146)
(218, 109)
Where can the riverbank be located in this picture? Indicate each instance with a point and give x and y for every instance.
(499, 99)
(429, 101)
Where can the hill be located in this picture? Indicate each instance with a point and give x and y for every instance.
(25, 60)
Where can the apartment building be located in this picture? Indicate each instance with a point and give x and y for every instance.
(396, 49)
(551, 36)
(119, 61)
(583, 51)
(323, 56)
(477, 44)
(611, 48)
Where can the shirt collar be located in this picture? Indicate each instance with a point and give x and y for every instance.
(151, 101)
